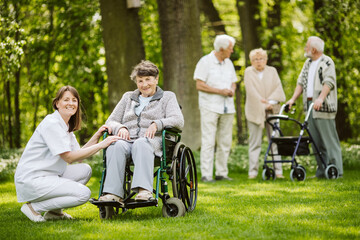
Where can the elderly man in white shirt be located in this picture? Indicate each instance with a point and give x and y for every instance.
(215, 80)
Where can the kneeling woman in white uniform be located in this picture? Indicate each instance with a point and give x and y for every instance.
(45, 176)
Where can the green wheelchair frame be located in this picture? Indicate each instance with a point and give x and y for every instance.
(182, 174)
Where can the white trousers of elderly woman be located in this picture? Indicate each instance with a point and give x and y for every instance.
(71, 191)
(255, 139)
(215, 129)
(142, 154)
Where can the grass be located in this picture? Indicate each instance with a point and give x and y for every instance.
(240, 209)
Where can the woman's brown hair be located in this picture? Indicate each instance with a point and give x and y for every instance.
(75, 120)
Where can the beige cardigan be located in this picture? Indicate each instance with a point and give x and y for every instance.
(268, 88)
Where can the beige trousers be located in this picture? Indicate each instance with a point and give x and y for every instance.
(255, 139)
(215, 129)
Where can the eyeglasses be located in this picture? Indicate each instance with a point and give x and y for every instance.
(258, 59)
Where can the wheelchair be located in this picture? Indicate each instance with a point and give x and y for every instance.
(177, 162)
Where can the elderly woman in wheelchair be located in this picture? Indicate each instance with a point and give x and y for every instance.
(139, 119)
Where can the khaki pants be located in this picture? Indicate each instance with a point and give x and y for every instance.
(255, 139)
(215, 129)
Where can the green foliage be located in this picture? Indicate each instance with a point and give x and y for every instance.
(338, 22)
(8, 163)
(62, 45)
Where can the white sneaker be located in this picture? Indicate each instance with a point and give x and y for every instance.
(30, 213)
(50, 215)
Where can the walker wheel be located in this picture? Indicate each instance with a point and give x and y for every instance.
(298, 173)
(300, 166)
(268, 173)
(331, 172)
(176, 208)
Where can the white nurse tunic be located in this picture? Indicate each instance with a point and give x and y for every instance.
(40, 166)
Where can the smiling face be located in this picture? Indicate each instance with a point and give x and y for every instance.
(147, 85)
(67, 105)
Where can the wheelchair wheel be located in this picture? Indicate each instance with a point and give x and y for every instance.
(175, 208)
(188, 179)
(106, 212)
(298, 173)
(175, 171)
(331, 172)
(268, 173)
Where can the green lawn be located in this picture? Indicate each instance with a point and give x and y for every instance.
(240, 209)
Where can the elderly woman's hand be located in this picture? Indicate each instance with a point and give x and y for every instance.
(150, 132)
(124, 133)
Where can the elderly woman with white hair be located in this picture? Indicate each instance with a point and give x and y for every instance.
(215, 80)
(263, 94)
(138, 120)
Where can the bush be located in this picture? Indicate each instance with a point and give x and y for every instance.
(8, 162)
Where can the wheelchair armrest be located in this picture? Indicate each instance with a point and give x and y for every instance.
(172, 129)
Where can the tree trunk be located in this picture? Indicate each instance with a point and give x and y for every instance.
(332, 35)
(250, 26)
(181, 50)
(9, 112)
(208, 8)
(123, 44)
(273, 46)
(17, 125)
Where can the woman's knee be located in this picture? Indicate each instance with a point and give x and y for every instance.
(84, 194)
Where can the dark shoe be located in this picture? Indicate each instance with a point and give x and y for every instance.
(223, 178)
(207, 179)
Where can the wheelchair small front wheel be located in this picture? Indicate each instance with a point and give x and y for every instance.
(102, 212)
(106, 212)
(175, 208)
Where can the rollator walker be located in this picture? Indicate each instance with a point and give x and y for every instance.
(177, 162)
(293, 146)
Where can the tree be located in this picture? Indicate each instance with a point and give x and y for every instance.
(273, 28)
(123, 46)
(181, 49)
(208, 8)
(336, 13)
(250, 25)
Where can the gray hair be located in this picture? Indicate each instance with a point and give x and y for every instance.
(223, 41)
(144, 68)
(317, 43)
(257, 51)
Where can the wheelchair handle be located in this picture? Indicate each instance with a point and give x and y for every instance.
(105, 133)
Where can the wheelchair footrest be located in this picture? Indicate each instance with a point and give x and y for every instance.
(131, 203)
(106, 203)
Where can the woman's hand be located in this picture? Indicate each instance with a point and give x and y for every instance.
(102, 129)
(150, 132)
(109, 140)
(124, 133)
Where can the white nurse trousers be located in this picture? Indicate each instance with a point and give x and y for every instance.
(71, 192)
